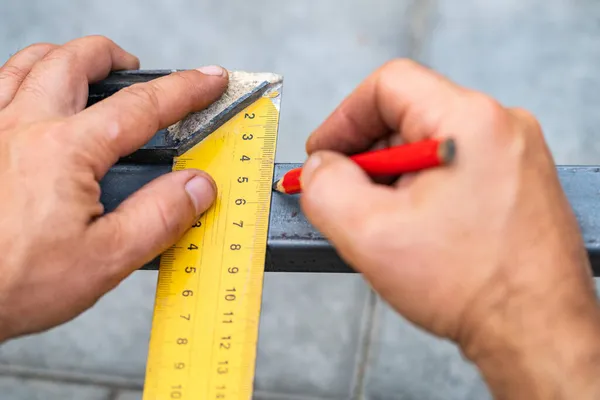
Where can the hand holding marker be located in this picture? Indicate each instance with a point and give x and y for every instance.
(393, 161)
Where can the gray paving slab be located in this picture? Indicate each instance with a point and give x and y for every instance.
(110, 339)
(310, 334)
(27, 389)
(407, 364)
(539, 54)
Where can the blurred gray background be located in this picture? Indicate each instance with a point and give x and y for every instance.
(321, 336)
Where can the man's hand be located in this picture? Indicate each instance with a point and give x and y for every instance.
(58, 253)
(486, 252)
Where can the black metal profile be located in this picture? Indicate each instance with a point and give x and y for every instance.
(293, 244)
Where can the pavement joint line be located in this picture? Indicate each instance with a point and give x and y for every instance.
(268, 395)
(115, 387)
(366, 338)
(418, 27)
(113, 395)
(73, 377)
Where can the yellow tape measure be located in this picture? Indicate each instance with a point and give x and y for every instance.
(207, 309)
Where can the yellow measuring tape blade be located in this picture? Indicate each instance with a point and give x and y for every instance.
(207, 309)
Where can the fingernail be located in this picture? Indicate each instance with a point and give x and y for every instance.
(213, 70)
(309, 167)
(202, 193)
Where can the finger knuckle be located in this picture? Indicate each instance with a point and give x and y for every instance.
(167, 222)
(184, 79)
(96, 41)
(34, 83)
(63, 53)
(66, 59)
(528, 119)
(12, 73)
(190, 83)
(33, 88)
(528, 133)
(515, 130)
(524, 114)
(36, 50)
(99, 38)
(486, 109)
(488, 119)
(70, 54)
(144, 96)
(40, 48)
(400, 65)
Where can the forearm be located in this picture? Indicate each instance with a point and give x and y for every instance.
(554, 357)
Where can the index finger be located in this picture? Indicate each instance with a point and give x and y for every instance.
(117, 126)
(402, 96)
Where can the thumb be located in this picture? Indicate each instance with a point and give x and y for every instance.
(342, 202)
(152, 219)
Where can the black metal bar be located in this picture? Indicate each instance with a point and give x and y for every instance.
(295, 246)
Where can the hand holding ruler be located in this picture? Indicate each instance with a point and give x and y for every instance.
(208, 299)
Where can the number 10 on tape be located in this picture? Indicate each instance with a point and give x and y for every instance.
(207, 308)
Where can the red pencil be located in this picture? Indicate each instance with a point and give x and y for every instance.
(393, 161)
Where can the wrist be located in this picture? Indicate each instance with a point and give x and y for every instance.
(4, 336)
(4, 331)
(4, 326)
(542, 349)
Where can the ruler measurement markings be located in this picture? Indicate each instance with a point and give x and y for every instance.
(219, 284)
(248, 282)
(193, 311)
(233, 335)
(217, 333)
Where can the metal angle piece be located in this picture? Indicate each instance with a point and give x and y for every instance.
(244, 88)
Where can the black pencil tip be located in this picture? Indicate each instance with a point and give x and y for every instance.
(451, 150)
(448, 151)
